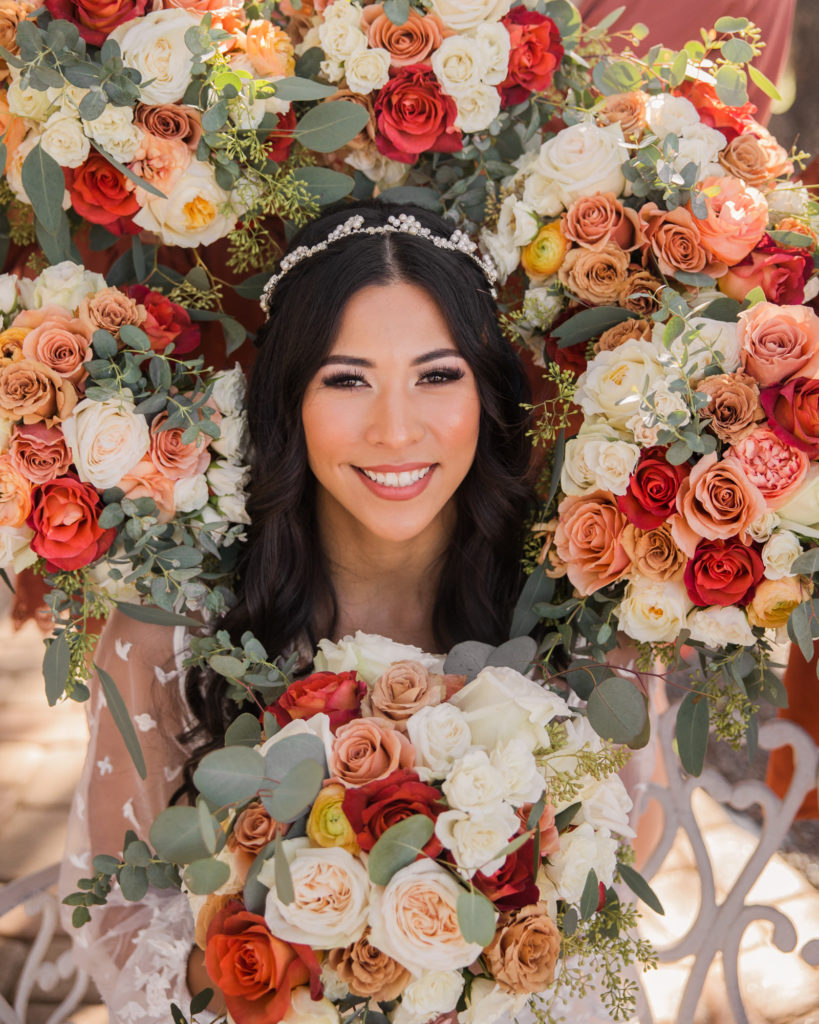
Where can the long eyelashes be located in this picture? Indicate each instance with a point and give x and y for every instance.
(354, 378)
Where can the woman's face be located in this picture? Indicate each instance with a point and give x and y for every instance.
(391, 418)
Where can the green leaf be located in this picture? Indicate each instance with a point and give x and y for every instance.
(206, 826)
(398, 847)
(200, 1000)
(122, 719)
(732, 86)
(678, 453)
(726, 310)
(244, 731)
(215, 117)
(281, 873)
(802, 627)
(692, 732)
(105, 863)
(137, 854)
(133, 882)
(517, 653)
(295, 794)
(640, 887)
(254, 893)
(590, 896)
(694, 280)
(156, 616)
(206, 876)
(176, 836)
(230, 776)
(614, 76)
(476, 917)
(80, 916)
(617, 710)
(45, 186)
(309, 63)
(56, 666)
(467, 658)
(737, 51)
(134, 336)
(570, 922)
(807, 563)
(588, 323)
(559, 453)
(679, 66)
(298, 88)
(754, 296)
(330, 126)
(791, 239)
(537, 589)
(177, 1015)
(764, 83)
(327, 186)
(397, 11)
(228, 666)
(728, 24)
(105, 344)
(565, 817)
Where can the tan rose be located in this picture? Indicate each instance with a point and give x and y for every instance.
(11, 344)
(172, 456)
(171, 121)
(368, 972)
(589, 540)
(253, 829)
(15, 494)
(615, 336)
(718, 501)
(640, 291)
(11, 14)
(410, 43)
(756, 157)
(628, 109)
(653, 553)
(210, 908)
(555, 567)
(38, 453)
(674, 240)
(364, 750)
(595, 276)
(594, 221)
(523, 954)
(406, 687)
(32, 392)
(109, 310)
(63, 344)
(774, 600)
(733, 405)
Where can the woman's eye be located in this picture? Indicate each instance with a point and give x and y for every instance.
(344, 380)
(441, 375)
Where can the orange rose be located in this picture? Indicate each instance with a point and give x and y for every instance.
(38, 453)
(410, 43)
(270, 50)
(737, 216)
(778, 343)
(62, 344)
(718, 501)
(15, 494)
(364, 750)
(593, 221)
(146, 481)
(589, 539)
(673, 238)
(172, 456)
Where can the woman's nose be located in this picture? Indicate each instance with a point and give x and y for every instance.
(394, 420)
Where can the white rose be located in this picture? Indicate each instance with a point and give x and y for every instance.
(33, 104)
(15, 548)
(786, 200)
(343, 12)
(718, 626)
(190, 493)
(303, 1009)
(334, 988)
(367, 70)
(582, 159)
(107, 439)
(197, 210)
(155, 46)
(232, 440)
(613, 381)
(501, 704)
(414, 920)
(377, 167)
(502, 251)
(477, 108)
(64, 140)
(496, 44)
(522, 781)
(459, 64)
(229, 390)
(761, 529)
(582, 850)
(340, 40)
(434, 993)
(225, 478)
(644, 429)
(700, 145)
(332, 70)
(370, 655)
(441, 736)
(517, 221)
(667, 402)
(462, 15)
(611, 464)
(605, 804)
(803, 506)
(64, 284)
(473, 784)
(670, 115)
(331, 897)
(488, 1002)
(653, 612)
(779, 554)
(8, 292)
(116, 132)
(542, 193)
(233, 507)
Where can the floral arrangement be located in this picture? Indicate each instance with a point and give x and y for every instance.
(459, 852)
(121, 457)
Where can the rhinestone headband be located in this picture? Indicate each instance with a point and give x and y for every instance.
(403, 223)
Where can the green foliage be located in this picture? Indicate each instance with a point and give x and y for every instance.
(398, 847)
(617, 709)
(476, 917)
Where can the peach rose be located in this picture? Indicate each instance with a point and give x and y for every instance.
(524, 952)
(736, 220)
(11, 14)
(406, 687)
(172, 456)
(28, 319)
(733, 405)
(161, 162)
(364, 750)
(615, 336)
(756, 157)
(12, 128)
(108, 310)
(63, 345)
(39, 453)
(673, 238)
(640, 291)
(654, 553)
(15, 494)
(31, 392)
(269, 49)
(718, 501)
(589, 540)
(628, 109)
(146, 481)
(800, 228)
(368, 972)
(171, 121)
(774, 600)
(11, 344)
(773, 466)
(545, 254)
(595, 276)
(594, 221)
(410, 43)
(778, 343)
(253, 829)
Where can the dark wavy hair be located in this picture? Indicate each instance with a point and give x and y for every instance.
(283, 577)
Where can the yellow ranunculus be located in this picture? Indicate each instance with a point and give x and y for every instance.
(774, 601)
(543, 256)
(328, 824)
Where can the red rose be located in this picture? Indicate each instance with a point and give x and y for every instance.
(280, 141)
(254, 970)
(64, 517)
(793, 413)
(535, 55)
(413, 116)
(96, 18)
(100, 193)
(371, 809)
(336, 694)
(781, 273)
(573, 357)
(731, 121)
(652, 490)
(724, 572)
(513, 885)
(166, 322)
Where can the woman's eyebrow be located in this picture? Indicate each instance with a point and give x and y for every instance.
(428, 357)
(439, 353)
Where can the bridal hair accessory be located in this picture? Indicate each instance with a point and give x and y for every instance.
(403, 223)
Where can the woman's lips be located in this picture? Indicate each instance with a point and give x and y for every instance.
(397, 483)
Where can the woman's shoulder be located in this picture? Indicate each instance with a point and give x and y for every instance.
(143, 646)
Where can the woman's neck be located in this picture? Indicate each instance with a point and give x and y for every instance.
(382, 586)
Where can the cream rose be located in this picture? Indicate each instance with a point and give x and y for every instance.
(234, 507)
(429, 996)
(718, 626)
(367, 70)
(522, 781)
(475, 840)
(762, 528)
(609, 464)
(370, 655)
(116, 132)
(653, 612)
(488, 1002)
(580, 160)
(155, 46)
(229, 390)
(605, 804)
(477, 108)
(64, 140)
(473, 784)
(494, 40)
(33, 104)
(331, 897)
(670, 115)
(459, 65)
(441, 737)
(304, 1009)
(803, 507)
(581, 850)
(8, 292)
(779, 554)
(414, 920)
(191, 493)
(462, 15)
(224, 478)
(613, 381)
(197, 211)
(15, 550)
(107, 439)
(64, 284)
(233, 438)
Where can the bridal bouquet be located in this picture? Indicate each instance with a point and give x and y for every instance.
(395, 839)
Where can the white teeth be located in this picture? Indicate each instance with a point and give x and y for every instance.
(397, 479)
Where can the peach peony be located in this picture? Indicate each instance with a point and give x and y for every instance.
(269, 49)
(736, 220)
(146, 481)
(364, 750)
(161, 162)
(773, 466)
(589, 540)
(718, 501)
(15, 494)
(593, 221)
(778, 343)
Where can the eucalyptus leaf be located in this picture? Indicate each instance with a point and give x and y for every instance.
(122, 719)
(467, 658)
(200, 1000)
(476, 917)
(640, 887)
(588, 323)
(206, 826)
(397, 11)
(517, 653)
(801, 628)
(244, 731)
(281, 872)
(133, 882)
(330, 126)
(230, 775)
(156, 616)
(764, 83)
(326, 185)
(44, 183)
(538, 588)
(570, 922)
(296, 792)
(806, 563)
(565, 817)
(617, 710)
(590, 896)
(738, 51)
(299, 88)
(205, 876)
(692, 732)
(284, 754)
(398, 847)
(137, 854)
(176, 836)
(254, 893)
(56, 667)
(729, 24)
(732, 86)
